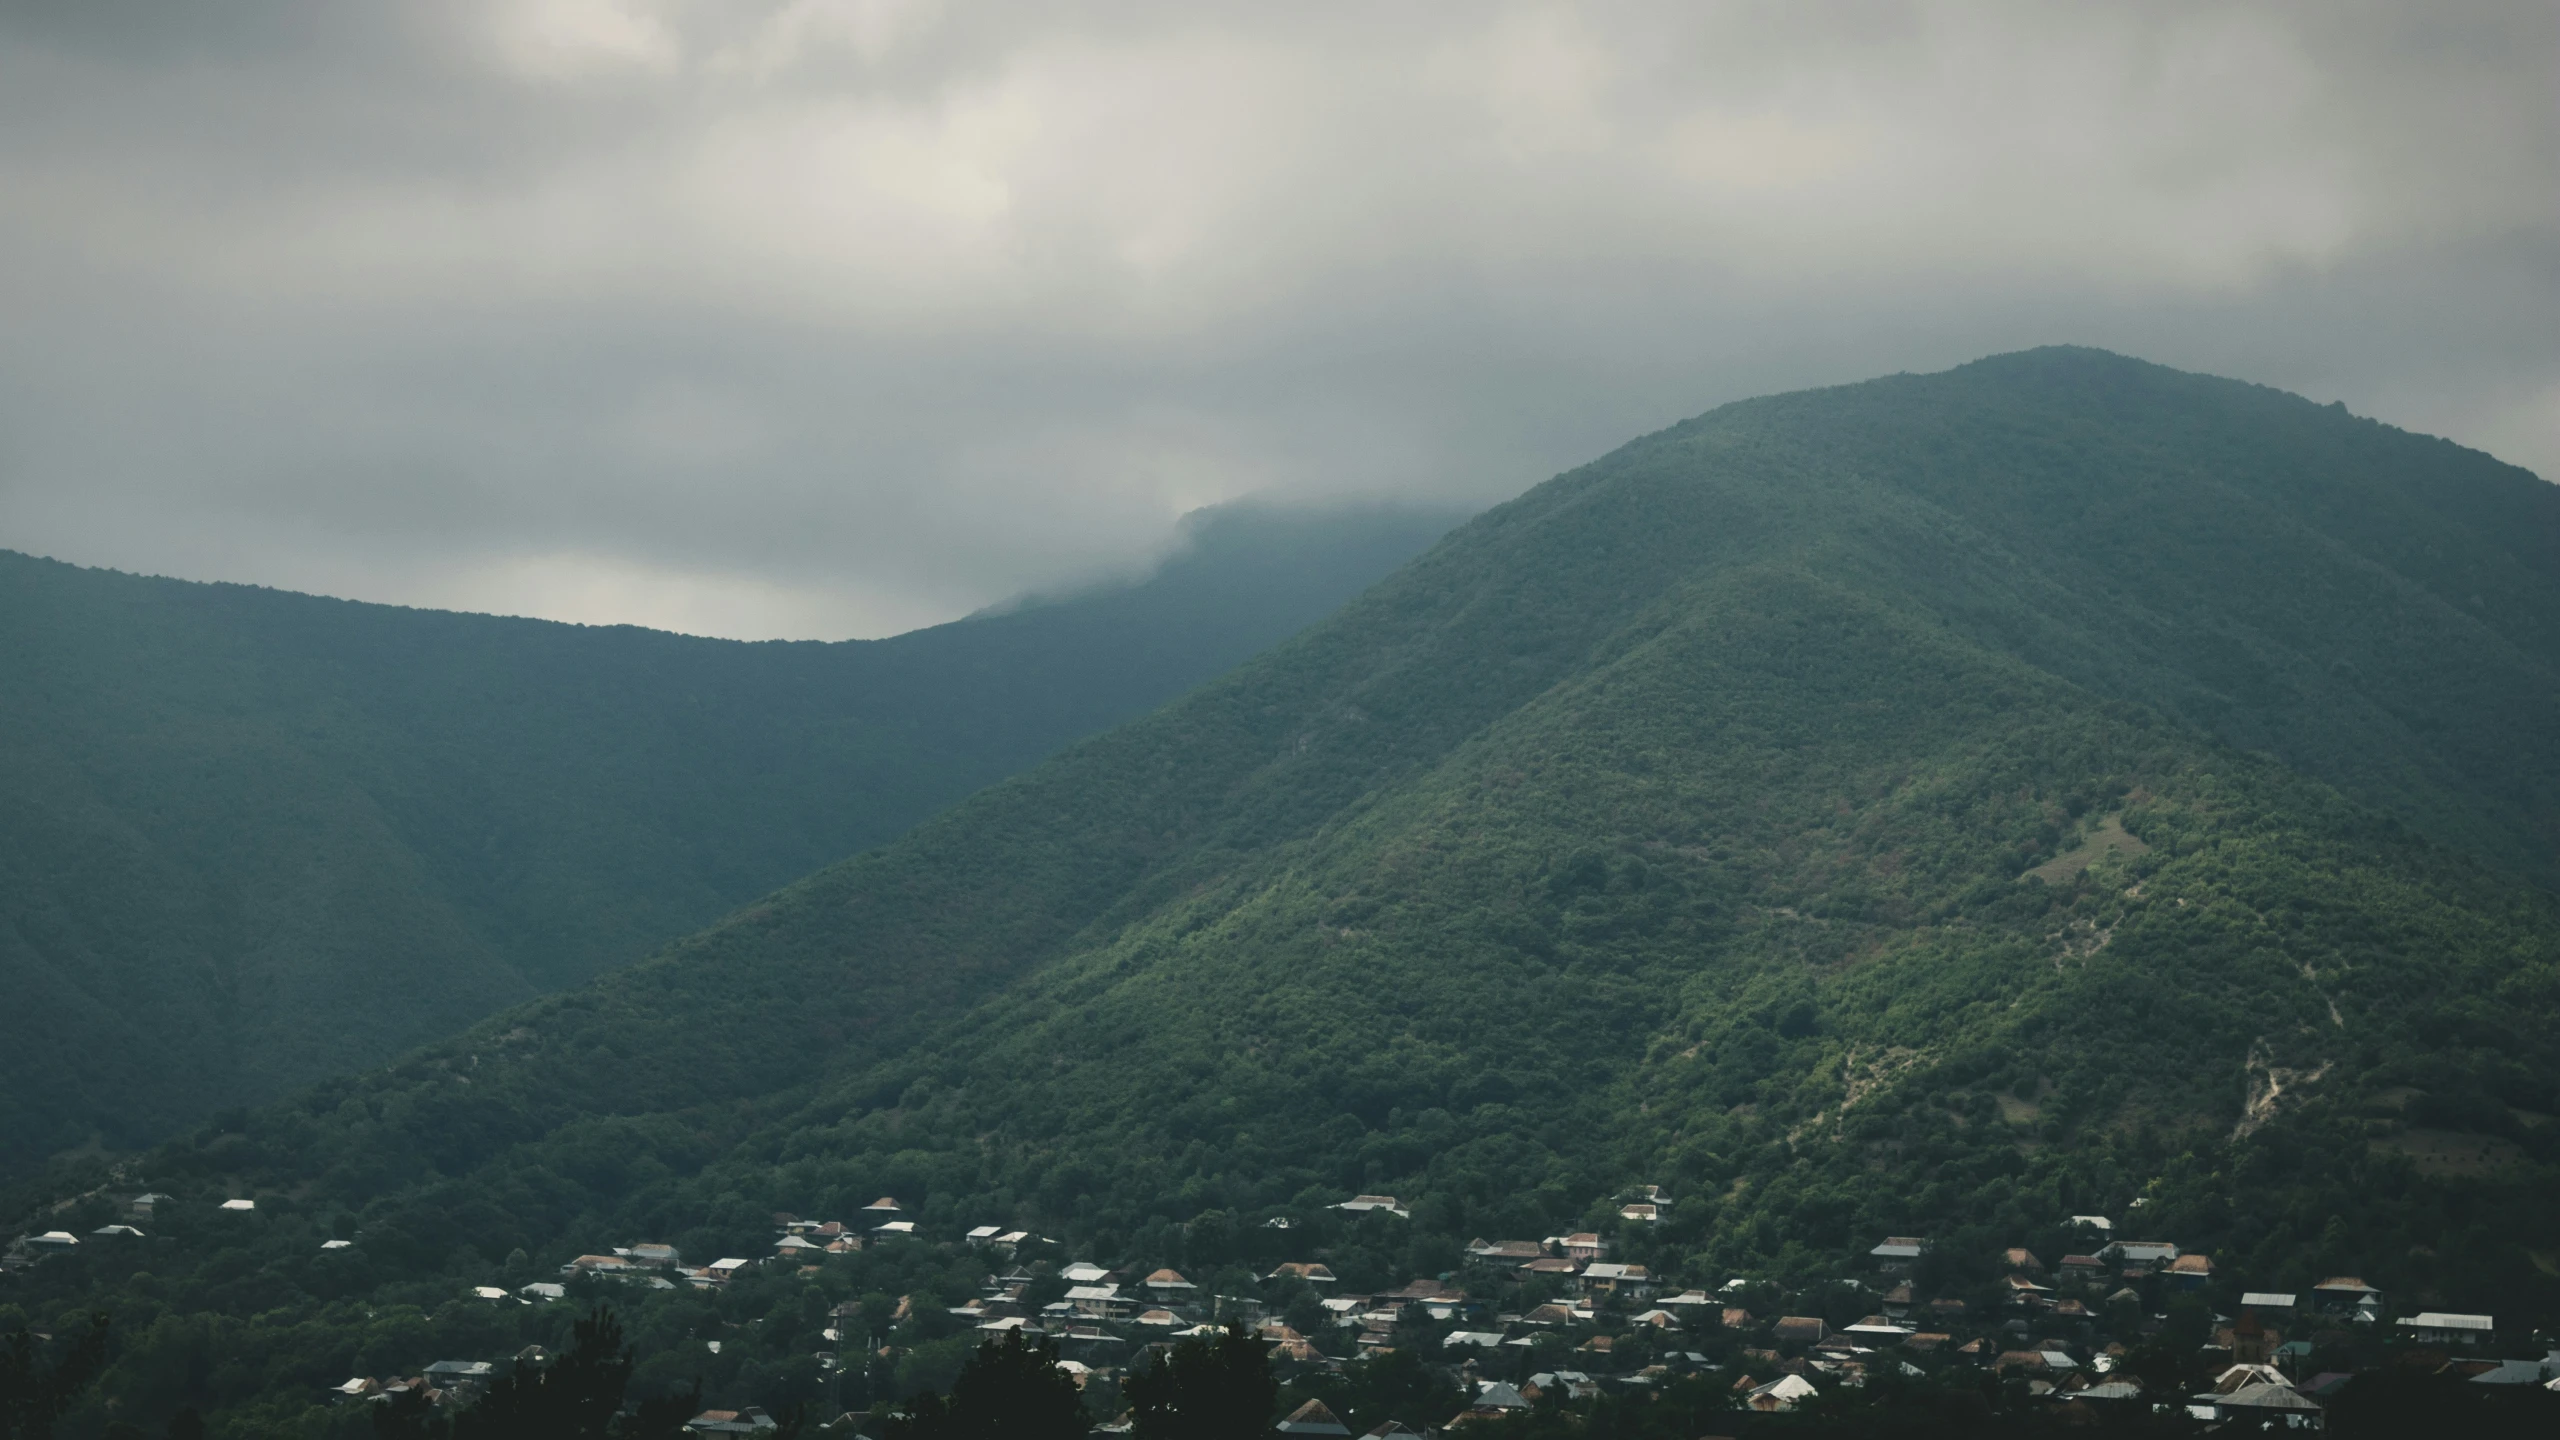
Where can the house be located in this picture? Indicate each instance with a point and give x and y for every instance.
(725, 1270)
(750, 1421)
(242, 1205)
(1084, 1272)
(1481, 1339)
(337, 1244)
(2099, 1223)
(2081, 1267)
(1361, 1204)
(1799, 1330)
(1549, 1314)
(1312, 1418)
(985, 1234)
(1659, 1319)
(1584, 1246)
(2342, 1293)
(1499, 1395)
(1610, 1278)
(2190, 1272)
(794, 1247)
(894, 1227)
(1782, 1393)
(1168, 1282)
(2141, 1257)
(2023, 1291)
(844, 1245)
(1689, 1297)
(1096, 1300)
(1878, 1329)
(1552, 1266)
(1640, 1211)
(2267, 1302)
(446, 1373)
(50, 1240)
(2021, 1259)
(544, 1291)
(1898, 1252)
(2432, 1327)
(1897, 1301)
(118, 1232)
(654, 1256)
(1520, 1251)
(2264, 1401)
(1390, 1430)
(1313, 1274)
(885, 1205)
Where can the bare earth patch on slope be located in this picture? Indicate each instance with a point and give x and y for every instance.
(2106, 837)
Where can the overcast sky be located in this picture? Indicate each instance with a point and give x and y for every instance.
(836, 317)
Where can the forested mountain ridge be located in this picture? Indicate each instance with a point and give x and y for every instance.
(1730, 814)
(253, 838)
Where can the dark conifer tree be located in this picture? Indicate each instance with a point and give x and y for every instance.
(1206, 1389)
(1007, 1391)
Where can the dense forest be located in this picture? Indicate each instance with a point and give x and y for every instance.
(1940, 806)
(249, 839)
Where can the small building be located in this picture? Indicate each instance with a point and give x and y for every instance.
(2191, 1272)
(725, 1270)
(1168, 1282)
(1309, 1271)
(51, 1240)
(1363, 1204)
(2141, 1257)
(1584, 1246)
(240, 1205)
(1799, 1329)
(1898, 1252)
(2081, 1267)
(1312, 1418)
(885, 1205)
(750, 1421)
(1607, 1277)
(2435, 1327)
(2022, 1259)
(2342, 1293)
(1644, 1212)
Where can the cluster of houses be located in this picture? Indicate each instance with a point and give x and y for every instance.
(28, 1249)
(1556, 1316)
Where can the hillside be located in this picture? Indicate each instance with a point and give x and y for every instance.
(249, 839)
(1937, 806)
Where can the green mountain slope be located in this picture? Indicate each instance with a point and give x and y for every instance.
(1732, 814)
(251, 838)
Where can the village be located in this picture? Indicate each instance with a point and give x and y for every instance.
(1555, 1320)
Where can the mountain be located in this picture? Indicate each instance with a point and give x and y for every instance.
(249, 839)
(1937, 806)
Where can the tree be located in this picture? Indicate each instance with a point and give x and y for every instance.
(1007, 1391)
(577, 1396)
(33, 1394)
(1206, 1389)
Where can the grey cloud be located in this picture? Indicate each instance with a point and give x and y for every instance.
(836, 316)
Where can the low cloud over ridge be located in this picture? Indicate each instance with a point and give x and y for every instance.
(834, 317)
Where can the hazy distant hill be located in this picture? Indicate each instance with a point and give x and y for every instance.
(250, 838)
(1932, 806)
